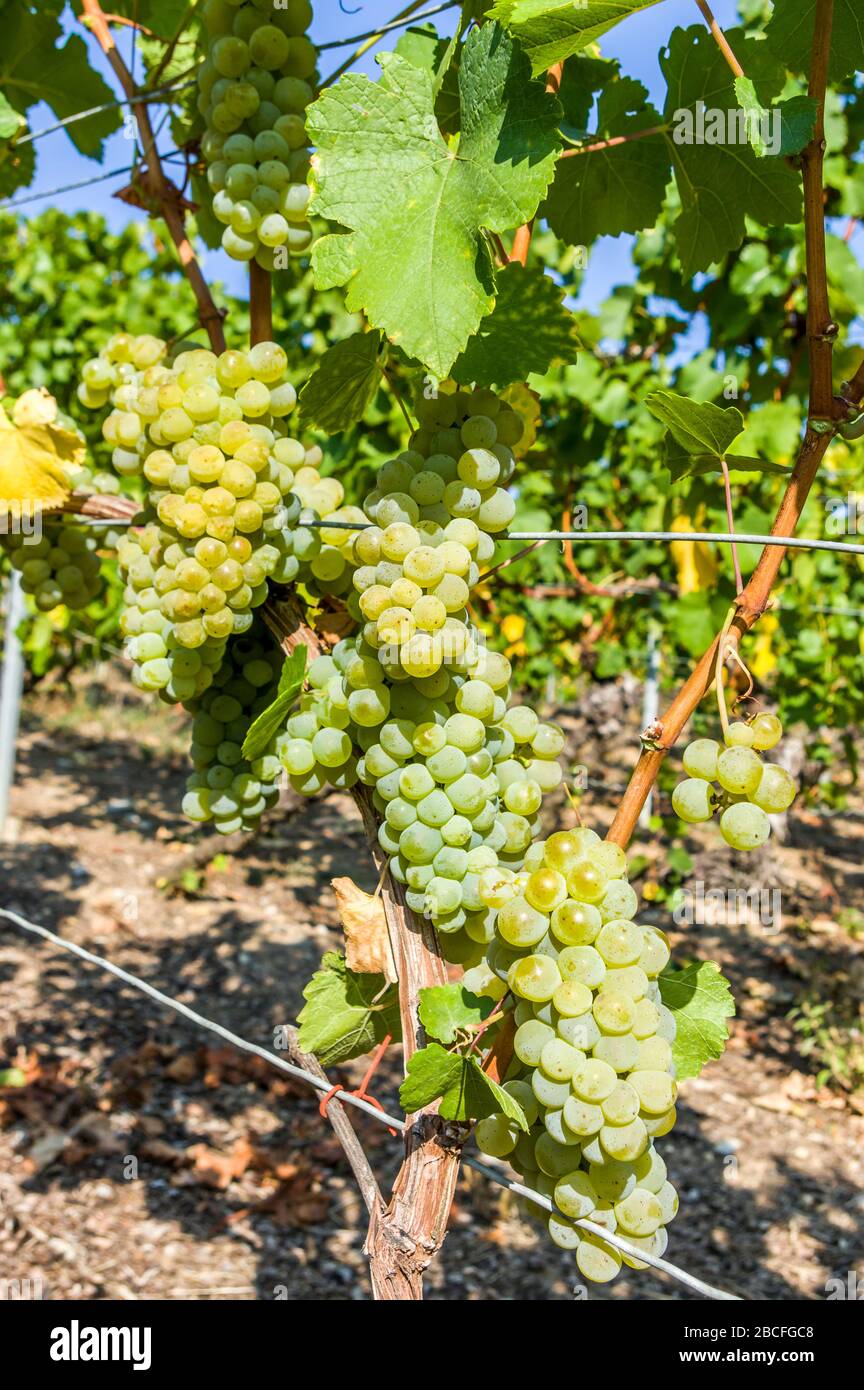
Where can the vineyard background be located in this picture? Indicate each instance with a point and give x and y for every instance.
(243, 1189)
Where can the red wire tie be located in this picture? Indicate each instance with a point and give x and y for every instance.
(361, 1092)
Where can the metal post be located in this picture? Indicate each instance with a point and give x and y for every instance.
(11, 687)
(650, 700)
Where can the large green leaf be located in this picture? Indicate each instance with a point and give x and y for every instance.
(35, 66)
(551, 30)
(343, 384)
(720, 185)
(617, 189)
(502, 351)
(701, 1000)
(414, 258)
(790, 36)
(466, 1092)
(346, 1014)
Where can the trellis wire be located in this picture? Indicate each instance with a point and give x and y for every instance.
(126, 169)
(394, 1121)
(723, 537)
(141, 100)
(385, 28)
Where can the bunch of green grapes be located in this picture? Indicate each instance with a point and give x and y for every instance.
(254, 86)
(734, 782)
(60, 566)
(593, 1041)
(413, 705)
(209, 435)
(226, 788)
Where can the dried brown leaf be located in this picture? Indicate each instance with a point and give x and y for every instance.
(368, 949)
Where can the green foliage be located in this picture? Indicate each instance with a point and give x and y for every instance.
(701, 1000)
(501, 351)
(550, 30)
(346, 1014)
(36, 66)
(447, 1010)
(424, 206)
(272, 719)
(340, 390)
(466, 1092)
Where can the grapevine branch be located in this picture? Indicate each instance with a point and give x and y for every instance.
(522, 239)
(406, 1235)
(158, 185)
(752, 601)
(720, 38)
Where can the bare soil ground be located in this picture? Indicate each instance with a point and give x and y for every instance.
(143, 1159)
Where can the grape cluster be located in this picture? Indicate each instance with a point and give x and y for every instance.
(413, 705)
(734, 782)
(225, 788)
(209, 436)
(254, 86)
(593, 1044)
(59, 567)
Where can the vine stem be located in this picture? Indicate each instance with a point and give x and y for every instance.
(730, 521)
(370, 43)
(158, 185)
(824, 409)
(260, 305)
(404, 1236)
(720, 38)
(522, 239)
(615, 140)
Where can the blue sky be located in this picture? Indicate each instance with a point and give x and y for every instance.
(635, 42)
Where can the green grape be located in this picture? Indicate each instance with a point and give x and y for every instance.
(745, 826)
(739, 770)
(700, 759)
(693, 800)
(776, 790)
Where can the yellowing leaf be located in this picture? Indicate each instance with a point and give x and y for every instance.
(34, 459)
(762, 660)
(35, 407)
(513, 627)
(368, 950)
(697, 567)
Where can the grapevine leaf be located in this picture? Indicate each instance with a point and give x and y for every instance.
(424, 47)
(10, 119)
(797, 122)
(501, 351)
(270, 720)
(618, 189)
(35, 67)
(698, 426)
(466, 1092)
(790, 36)
(346, 1014)
(550, 30)
(343, 384)
(788, 125)
(17, 167)
(721, 181)
(445, 1009)
(384, 172)
(701, 1000)
(35, 464)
